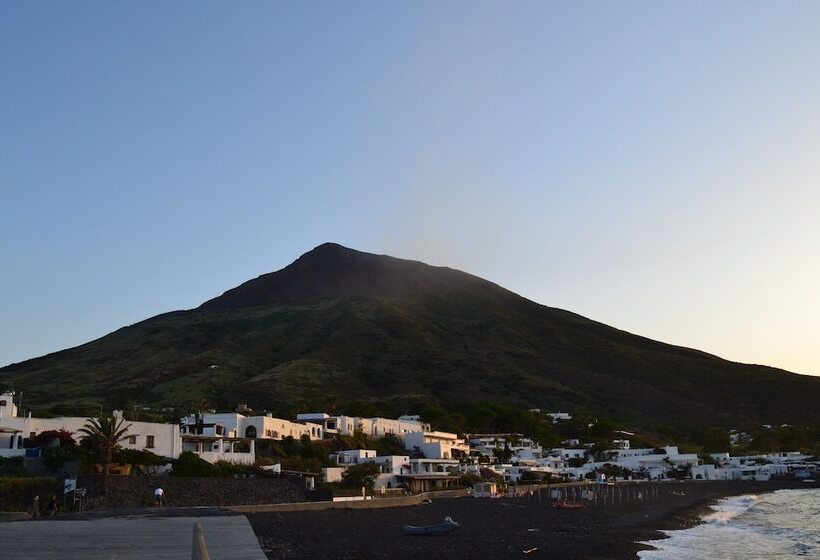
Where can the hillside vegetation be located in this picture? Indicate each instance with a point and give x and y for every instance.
(341, 328)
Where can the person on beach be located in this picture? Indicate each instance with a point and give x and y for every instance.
(35, 509)
(159, 494)
(52, 505)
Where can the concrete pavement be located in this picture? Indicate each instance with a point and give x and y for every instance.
(133, 537)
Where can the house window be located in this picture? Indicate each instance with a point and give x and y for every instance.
(149, 442)
(132, 440)
(3, 403)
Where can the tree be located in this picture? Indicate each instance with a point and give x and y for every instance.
(104, 434)
(57, 447)
(140, 457)
(503, 455)
(48, 437)
(363, 474)
(470, 479)
(190, 464)
(390, 444)
(716, 440)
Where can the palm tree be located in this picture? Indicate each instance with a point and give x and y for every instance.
(105, 433)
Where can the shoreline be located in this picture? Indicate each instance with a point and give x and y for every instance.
(694, 515)
(501, 527)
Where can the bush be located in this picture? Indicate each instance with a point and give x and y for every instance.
(17, 494)
(43, 439)
(363, 474)
(390, 444)
(12, 467)
(58, 447)
(190, 464)
(56, 457)
(470, 479)
(138, 457)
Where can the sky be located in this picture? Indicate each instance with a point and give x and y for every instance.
(651, 165)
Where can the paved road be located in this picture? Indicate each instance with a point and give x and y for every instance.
(133, 537)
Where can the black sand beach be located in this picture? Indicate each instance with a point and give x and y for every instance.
(494, 528)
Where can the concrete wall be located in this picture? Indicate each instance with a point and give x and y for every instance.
(137, 491)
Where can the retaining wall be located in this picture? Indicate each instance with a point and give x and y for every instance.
(138, 491)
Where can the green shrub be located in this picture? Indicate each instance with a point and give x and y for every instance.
(190, 464)
(138, 457)
(363, 474)
(470, 479)
(13, 467)
(17, 494)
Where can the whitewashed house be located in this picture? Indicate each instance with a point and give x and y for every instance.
(522, 448)
(345, 459)
(653, 457)
(559, 416)
(392, 468)
(214, 441)
(353, 456)
(375, 427)
(256, 427)
(706, 472)
(159, 438)
(436, 445)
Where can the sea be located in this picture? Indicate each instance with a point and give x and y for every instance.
(784, 524)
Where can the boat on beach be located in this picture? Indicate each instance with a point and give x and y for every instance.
(440, 529)
(565, 505)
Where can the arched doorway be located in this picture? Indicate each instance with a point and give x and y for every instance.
(250, 432)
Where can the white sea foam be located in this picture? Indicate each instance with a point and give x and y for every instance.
(728, 509)
(779, 525)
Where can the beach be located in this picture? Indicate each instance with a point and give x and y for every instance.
(496, 528)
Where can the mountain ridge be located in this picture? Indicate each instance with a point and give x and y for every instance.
(344, 325)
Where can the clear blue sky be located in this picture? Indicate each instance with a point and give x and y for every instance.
(652, 165)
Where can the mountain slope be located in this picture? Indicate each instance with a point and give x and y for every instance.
(339, 325)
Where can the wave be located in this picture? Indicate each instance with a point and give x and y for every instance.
(728, 509)
(778, 525)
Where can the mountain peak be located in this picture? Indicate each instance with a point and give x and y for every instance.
(332, 270)
(329, 249)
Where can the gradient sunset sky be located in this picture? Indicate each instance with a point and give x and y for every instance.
(651, 165)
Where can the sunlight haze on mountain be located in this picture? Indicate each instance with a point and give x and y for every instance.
(651, 167)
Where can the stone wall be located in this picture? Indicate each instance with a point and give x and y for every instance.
(138, 491)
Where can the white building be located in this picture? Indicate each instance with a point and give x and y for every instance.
(433, 466)
(436, 445)
(159, 438)
(211, 439)
(237, 425)
(648, 457)
(522, 448)
(706, 472)
(559, 416)
(373, 427)
(353, 456)
(745, 472)
(620, 443)
(567, 453)
(391, 467)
